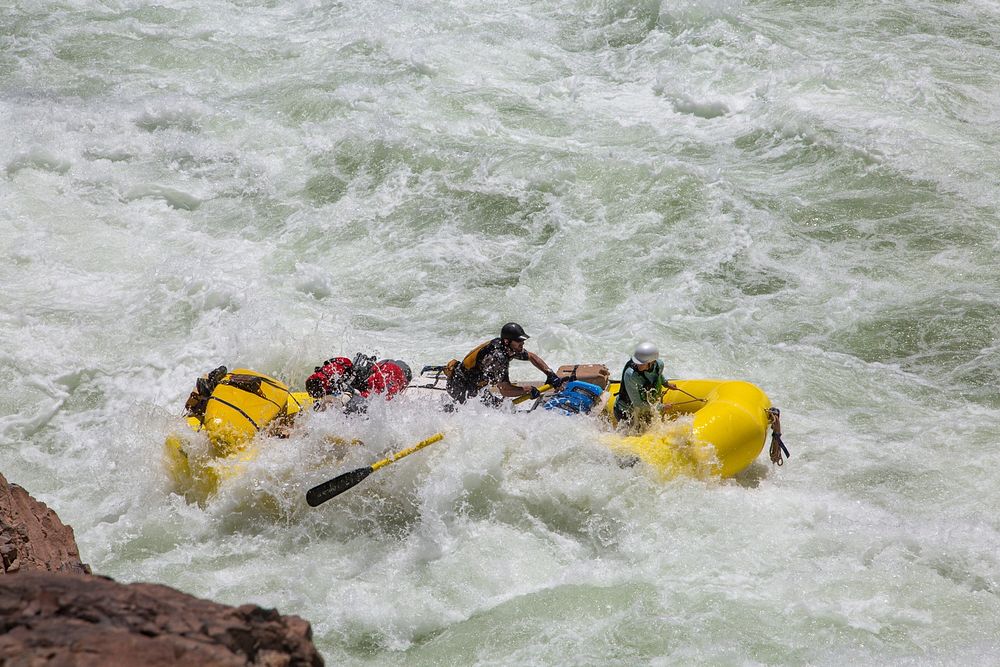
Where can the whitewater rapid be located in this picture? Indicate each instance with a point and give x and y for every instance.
(801, 196)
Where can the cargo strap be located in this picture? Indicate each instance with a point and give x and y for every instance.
(777, 446)
(238, 409)
(204, 386)
(251, 385)
(588, 392)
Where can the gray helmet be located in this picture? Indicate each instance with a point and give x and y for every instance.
(513, 331)
(644, 353)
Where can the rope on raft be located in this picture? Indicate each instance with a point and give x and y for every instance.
(777, 446)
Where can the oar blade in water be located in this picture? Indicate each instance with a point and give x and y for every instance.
(331, 488)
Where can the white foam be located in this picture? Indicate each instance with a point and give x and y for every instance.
(798, 196)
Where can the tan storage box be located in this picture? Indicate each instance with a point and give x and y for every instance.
(593, 373)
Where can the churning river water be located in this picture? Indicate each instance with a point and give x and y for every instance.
(802, 195)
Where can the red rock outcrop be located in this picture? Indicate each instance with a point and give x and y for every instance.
(32, 537)
(70, 619)
(54, 612)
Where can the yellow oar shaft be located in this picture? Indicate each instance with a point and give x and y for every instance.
(523, 397)
(321, 493)
(406, 452)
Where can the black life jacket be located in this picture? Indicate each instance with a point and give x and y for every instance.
(473, 370)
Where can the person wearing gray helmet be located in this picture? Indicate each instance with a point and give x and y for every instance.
(641, 388)
(489, 363)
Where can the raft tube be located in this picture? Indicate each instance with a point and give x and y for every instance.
(223, 441)
(727, 433)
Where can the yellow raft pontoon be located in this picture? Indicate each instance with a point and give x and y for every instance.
(731, 420)
(242, 404)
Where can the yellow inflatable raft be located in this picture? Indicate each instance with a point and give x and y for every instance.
(729, 427)
(232, 413)
(225, 422)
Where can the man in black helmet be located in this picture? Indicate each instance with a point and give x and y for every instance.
(489, 364)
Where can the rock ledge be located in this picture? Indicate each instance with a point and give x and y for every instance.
(73, 619)
(54, 612)
(32, 537)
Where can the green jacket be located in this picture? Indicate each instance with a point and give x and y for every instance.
(639, 390)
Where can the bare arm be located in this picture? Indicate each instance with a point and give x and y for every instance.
(510, 389)
(537, 362)
(667, 384)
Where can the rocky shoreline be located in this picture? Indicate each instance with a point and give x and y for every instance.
(54, 611)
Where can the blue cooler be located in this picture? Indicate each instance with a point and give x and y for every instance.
(575, 398)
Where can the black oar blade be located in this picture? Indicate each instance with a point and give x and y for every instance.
(321, 493)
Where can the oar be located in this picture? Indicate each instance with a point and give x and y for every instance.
(703, 400)
(321, 493)
(523, 397)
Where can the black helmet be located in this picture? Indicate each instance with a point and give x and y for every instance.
(513, 331)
